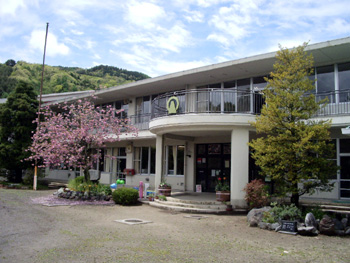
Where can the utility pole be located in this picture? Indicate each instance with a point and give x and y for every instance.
(40, 98)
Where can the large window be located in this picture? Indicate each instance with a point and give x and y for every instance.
(325, 82)
(143, 109)
(145, 160)
(175, 156)
(344, 81)
(243, 96)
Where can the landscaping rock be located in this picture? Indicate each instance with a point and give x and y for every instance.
(327, 226)
(255, 215)
(338, 225)
(60, 191)
(307, 231)
(344, 221)
(347, 230)
(263, 225)
(340, 232)
(273, 226)
(310, 220)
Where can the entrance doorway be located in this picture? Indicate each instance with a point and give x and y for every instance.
(212, 161)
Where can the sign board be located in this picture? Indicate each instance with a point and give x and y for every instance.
(198, 188)
(289, 227)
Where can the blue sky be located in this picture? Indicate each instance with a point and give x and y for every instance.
(158, 37)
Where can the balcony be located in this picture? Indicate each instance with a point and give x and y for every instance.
(230, 101)
(209, 101)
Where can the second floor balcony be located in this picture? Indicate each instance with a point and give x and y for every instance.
(229, 101)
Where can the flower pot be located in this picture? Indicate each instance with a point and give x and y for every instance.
(166, 191)
(222, 196)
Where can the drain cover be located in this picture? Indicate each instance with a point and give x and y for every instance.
(133, 221)
(196, 217)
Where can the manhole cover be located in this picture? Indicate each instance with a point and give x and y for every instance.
(133, 221)
(196, 217)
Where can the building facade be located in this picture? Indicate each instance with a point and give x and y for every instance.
(194, 126)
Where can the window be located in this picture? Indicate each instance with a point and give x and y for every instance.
(325, 82)
(117, 164)
(230, 96)
(243, 96)
(175, 156)
(344, 81)
(143, 109)
(145, 160)
(119, 105)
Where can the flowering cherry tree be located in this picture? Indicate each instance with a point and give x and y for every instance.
(73, 134)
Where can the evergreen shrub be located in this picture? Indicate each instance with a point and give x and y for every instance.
(125, 196)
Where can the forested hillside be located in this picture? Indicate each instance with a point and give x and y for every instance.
(63, 79)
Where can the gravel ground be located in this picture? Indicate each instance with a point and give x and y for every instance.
(32, 232)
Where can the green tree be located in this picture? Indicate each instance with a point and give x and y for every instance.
(16, 122)
(294, 149)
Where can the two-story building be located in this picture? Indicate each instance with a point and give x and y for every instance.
(194, 125)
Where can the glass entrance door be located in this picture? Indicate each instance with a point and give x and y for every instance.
(345, 177)
(213, 161)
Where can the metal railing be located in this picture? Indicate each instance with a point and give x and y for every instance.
(230, 101)
(209, 101)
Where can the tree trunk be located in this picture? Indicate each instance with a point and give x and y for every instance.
(17, 176)
(86, 175)
(295, 199)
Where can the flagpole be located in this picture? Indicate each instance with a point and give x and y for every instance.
(40, 98)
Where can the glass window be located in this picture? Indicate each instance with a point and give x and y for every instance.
(344, 82)
(243, 95)
(145, 160)
(344, 145)
(230, 96)
(325, 79)
(175, 159)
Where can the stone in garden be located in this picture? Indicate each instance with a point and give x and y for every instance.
(263, 225)
(60, 191)
(344, 221)
(347, 230)
(327, 226)
(273, 226)
(340, 232)
(307, 231)
(86, 193)
(255, 215)
(338, 225)
(310, 220)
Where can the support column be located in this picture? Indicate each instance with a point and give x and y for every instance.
(239, 166)
(159, 161)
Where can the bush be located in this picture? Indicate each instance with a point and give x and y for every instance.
(75, 184)
(282, 212)
(125, 196)
(256, 194)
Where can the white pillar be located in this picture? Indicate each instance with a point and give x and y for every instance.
(239, 166)
(159, 161)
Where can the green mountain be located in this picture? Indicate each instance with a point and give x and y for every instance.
(63, 79)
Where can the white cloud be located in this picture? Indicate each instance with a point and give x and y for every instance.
(144, 14)
(10, 6)
(338, 26)
(76, 32)
(154, 64)
(194, 16)
(54, 48)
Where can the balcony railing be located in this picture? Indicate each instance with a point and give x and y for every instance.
(141, 121)
(230, 101)
(209, 101)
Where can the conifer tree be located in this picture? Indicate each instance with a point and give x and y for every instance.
(294, 148)
(16, 121)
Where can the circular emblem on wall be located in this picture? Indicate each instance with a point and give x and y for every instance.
(172, 105)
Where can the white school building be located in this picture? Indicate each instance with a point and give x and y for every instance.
(194, 125)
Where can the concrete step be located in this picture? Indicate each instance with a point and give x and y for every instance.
(173, 206)
(193, 202)
(193, 205)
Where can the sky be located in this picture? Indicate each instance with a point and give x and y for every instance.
(158, 37)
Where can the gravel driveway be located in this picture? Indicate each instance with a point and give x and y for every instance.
(35, 233)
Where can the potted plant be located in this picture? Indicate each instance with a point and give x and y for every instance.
(164, 188)
(151, 197)
(222, 189)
